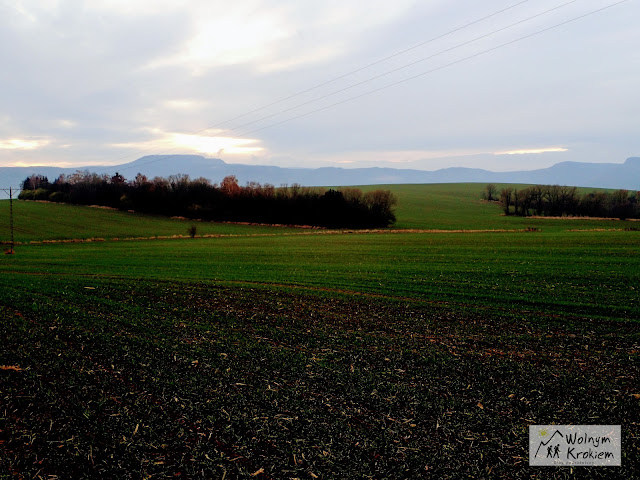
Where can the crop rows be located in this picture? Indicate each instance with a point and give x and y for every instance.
(130, 379)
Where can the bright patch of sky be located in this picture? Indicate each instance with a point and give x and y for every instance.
(21, 144)
(209, 145)
(312, 84)
(523, 151)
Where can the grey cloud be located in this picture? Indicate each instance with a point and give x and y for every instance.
(572, 86)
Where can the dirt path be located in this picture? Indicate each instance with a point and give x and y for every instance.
(288, 234)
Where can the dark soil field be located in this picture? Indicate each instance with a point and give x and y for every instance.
(158, 380)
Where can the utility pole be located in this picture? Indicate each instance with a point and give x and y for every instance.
(10, 191)
(11, 218)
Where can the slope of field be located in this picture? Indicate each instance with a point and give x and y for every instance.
(459, 206)
(291, 353)
(594, 273)
(444, 206)
(37, 221)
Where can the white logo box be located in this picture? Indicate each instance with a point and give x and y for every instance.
(575, 445)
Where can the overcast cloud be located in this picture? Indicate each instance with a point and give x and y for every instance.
(105, 82)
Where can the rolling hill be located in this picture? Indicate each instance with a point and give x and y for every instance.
(601, 175)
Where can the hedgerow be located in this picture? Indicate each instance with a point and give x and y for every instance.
(178, 195)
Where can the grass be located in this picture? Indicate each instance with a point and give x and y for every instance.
(310, 354)
(38, 221)
(439, 206)
(459, 206)
(594, 273)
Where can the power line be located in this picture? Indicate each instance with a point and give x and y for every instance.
(511, 42)
(335, 79)
(367, 80)
(438, 68)
(399, 68)
(368, 66)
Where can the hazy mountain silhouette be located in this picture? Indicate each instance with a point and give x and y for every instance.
(600, 175)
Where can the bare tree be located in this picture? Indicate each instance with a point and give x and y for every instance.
(491, 192)
(505, 199)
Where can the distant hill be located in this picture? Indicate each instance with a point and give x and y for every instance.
(597, 175)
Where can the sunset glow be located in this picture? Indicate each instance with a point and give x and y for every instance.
(532, 150)
(21, 144)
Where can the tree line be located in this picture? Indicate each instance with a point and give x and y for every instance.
(557, 201)
(178, 195)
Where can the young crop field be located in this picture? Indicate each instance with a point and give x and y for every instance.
(44, 221)
(273, 352)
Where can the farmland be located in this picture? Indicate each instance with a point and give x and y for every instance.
(423, 351)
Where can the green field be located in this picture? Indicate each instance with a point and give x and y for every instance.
(38, 221)
(459, 206)
(440, 206)
(278, 352)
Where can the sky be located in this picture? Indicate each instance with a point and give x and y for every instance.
(501, 85)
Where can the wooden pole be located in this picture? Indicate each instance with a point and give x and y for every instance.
(11, 217)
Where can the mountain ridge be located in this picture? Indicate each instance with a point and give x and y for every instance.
(595, 175)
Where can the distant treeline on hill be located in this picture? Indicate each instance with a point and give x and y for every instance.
(557, 201)
(178, 195)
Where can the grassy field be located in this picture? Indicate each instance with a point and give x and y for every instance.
(459, 206)
(439, 207)
(272, 352)
(38, 221)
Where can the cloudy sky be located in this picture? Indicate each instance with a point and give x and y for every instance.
(504, 85)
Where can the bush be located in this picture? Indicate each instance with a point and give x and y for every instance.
(26, 195)
(56, 197)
